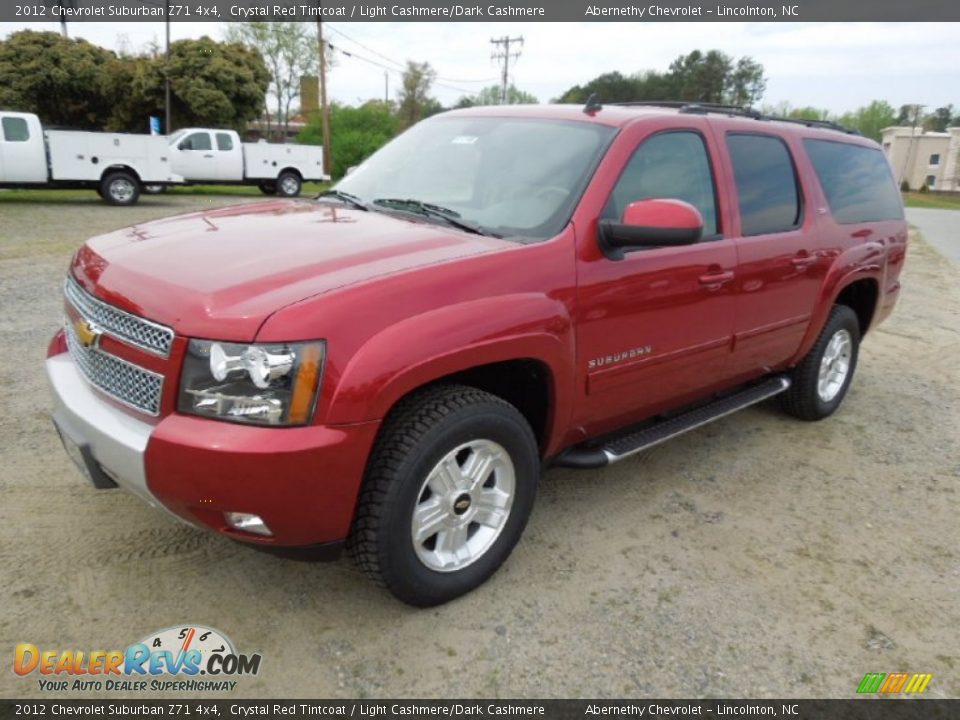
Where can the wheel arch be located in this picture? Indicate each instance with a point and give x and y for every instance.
(120, 167)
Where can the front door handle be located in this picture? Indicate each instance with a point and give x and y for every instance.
(716, 279)
(208, 156)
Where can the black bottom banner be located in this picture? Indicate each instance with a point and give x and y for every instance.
(854, 709)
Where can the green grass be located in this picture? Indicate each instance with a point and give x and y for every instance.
(59, 196)
(925, 200)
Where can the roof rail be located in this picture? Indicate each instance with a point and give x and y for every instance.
(702, 108)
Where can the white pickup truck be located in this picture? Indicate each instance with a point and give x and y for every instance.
(211, 155)
(116, 165)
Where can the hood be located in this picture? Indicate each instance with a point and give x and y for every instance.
(220, 274)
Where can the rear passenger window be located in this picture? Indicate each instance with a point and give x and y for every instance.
(856, 180)
(670, 165)
(766, 184)
(15, 129)
(224, 142)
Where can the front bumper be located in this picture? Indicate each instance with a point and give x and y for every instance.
(302, 481)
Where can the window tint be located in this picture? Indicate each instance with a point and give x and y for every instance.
(935, 159)
(15, 129)
(224, 141)
(669, 165)
(856, 180)
(766, 184)
(196, 141)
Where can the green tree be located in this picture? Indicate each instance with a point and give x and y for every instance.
(59, 79)
(939, 120)
(356, 132)
(492, 96)
(746, 83)
(290, 51)
(414, 101)
(211, 84)
(870, 119)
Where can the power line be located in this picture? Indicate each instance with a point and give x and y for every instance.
(355, 56)
(403, 66)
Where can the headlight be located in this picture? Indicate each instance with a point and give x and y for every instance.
(262, 384)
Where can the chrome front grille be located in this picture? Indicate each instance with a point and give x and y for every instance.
(130, 384)
(137, 331)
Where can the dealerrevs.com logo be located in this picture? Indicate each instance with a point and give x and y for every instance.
(183, 658)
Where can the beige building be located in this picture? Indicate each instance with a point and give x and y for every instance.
(924, 158)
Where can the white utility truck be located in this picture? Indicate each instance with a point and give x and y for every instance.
(211, 155)
(116, 165)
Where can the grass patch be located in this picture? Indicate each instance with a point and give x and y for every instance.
(926, 200)
(60, 196)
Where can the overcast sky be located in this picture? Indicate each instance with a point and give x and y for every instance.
(838, 66)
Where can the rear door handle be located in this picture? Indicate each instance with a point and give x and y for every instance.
(208, 156)
(803, 261)
(716, 279)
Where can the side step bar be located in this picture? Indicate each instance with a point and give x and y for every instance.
(622, 446)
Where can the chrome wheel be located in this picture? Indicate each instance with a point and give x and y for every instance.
(463, 505)
(289, 185)
(121, 190)
(835, 365)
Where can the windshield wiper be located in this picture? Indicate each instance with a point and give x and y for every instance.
(451, 217)
(351, 200)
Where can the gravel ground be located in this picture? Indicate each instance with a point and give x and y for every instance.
(758, 556)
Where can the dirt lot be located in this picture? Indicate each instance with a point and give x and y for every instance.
(759, 556)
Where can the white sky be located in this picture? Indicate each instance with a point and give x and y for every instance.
(837, 66)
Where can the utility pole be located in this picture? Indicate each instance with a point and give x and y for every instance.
(166, 75)
(386, 88)
(505, 56)
(324, 110)
(917, 109)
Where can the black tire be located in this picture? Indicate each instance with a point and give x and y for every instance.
(289, 184)
(267, 187)
(418, 433)
(803, 400)
(120, 188)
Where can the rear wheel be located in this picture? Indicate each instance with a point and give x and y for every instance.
(821, 380)
(288, 184)
(448, 491)
(120, 188)
(267, 187)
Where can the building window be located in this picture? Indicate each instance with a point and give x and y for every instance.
(931, 181)
(935, 159)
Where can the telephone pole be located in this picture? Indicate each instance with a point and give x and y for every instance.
(166, 76)
(324, 110)
(504, 56)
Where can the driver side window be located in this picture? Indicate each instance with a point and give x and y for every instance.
(668, 165)
(196, 141)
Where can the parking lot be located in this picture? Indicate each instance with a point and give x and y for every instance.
(758, 556)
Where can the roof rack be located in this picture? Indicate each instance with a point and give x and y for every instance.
(702, 108)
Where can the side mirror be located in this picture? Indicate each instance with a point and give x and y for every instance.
(184, 145)
(651, 223)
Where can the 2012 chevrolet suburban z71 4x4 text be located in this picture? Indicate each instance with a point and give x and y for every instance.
(389, 366)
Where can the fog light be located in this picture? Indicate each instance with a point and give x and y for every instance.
(248, 522)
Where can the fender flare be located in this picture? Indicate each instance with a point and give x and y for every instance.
(453, 338)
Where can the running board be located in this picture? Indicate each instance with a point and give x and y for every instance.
(623, 446)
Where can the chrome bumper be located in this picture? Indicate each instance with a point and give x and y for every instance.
(115, 440)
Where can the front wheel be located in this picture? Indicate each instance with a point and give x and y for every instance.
(120, 188)
(447, 494)
(822, 378)
(288, 184)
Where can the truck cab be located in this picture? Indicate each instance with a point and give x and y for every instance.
(23, 156)
(203, 155)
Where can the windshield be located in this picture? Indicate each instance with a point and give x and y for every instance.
(509, 176)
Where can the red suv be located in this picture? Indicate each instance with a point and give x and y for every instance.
(389, 366)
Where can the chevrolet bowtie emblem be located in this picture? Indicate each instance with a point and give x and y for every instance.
(87, 333)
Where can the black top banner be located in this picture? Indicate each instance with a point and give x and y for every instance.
(484, 11)
(858, 709)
